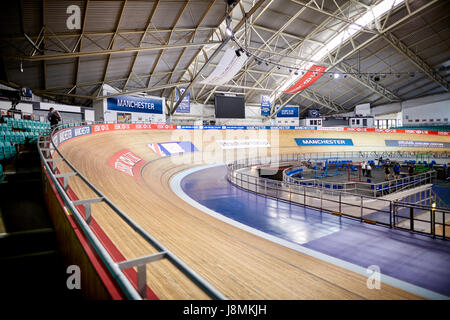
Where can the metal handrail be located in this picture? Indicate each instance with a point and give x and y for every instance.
(380, 187)
(113, 267)
(299, 194)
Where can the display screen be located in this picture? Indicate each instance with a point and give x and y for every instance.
(229, 107)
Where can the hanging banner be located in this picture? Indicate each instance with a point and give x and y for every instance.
(227, 68)
(288, 112)
(135, 104)
(265, 105)
(185, 104)
(311, 76)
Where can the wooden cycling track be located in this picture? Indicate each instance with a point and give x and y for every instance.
(237, 263)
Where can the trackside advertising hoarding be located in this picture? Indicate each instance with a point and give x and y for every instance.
(66, 134)
(417, 144)
(323, 142)
(135, 104)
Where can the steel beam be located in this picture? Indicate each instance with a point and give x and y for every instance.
(224, 43)
(415, 59)
(104, 52)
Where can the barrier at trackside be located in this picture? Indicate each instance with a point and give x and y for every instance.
(74, 132)
(80, 209)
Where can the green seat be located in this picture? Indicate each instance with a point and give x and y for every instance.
(7, 150)
(2, 150)
(8, 136)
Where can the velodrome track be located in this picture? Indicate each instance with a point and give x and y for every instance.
(238, 264)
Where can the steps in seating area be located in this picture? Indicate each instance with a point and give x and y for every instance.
(30, 265)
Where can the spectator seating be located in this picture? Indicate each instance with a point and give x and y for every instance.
(429, 128)
(16, 132)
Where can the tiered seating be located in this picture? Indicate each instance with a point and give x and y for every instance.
(18, 131)
(429, 128)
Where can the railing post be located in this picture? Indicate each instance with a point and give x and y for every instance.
(390, 214)
(432, 218)
(304, 195)
(362, 208)
(411, 218)
(340, 202)
(443, 224)
(321, 197)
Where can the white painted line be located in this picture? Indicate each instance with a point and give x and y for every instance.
(175, 185)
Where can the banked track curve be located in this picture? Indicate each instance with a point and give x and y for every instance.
(238, 264)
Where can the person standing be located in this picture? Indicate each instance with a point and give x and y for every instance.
(387, 171)
(54, 117)
(411, 170)
(396, 170)
(364, 167)
(380, 161)
(369, 170)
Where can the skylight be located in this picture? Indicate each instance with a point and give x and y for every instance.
(370, 16)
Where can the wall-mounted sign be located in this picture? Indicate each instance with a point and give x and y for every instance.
(288, 112)
(135, 104)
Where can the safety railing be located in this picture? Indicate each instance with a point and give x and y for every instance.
(360, 187)
(51, 157)
(426, 219)
(347, 155)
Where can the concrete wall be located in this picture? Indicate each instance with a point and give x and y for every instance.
(426, 108)
(431, 111)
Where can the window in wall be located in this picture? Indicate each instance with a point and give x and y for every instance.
(431, 120)
(424, 120)
(417, 120)
(357, 122)
(319, 122)
(445, 119)
(438, 120)
(353, 121)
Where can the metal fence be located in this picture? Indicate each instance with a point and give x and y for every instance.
(427, 219)
(51, 159)
(370, 189)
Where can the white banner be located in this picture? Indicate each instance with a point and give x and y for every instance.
(226, 69)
